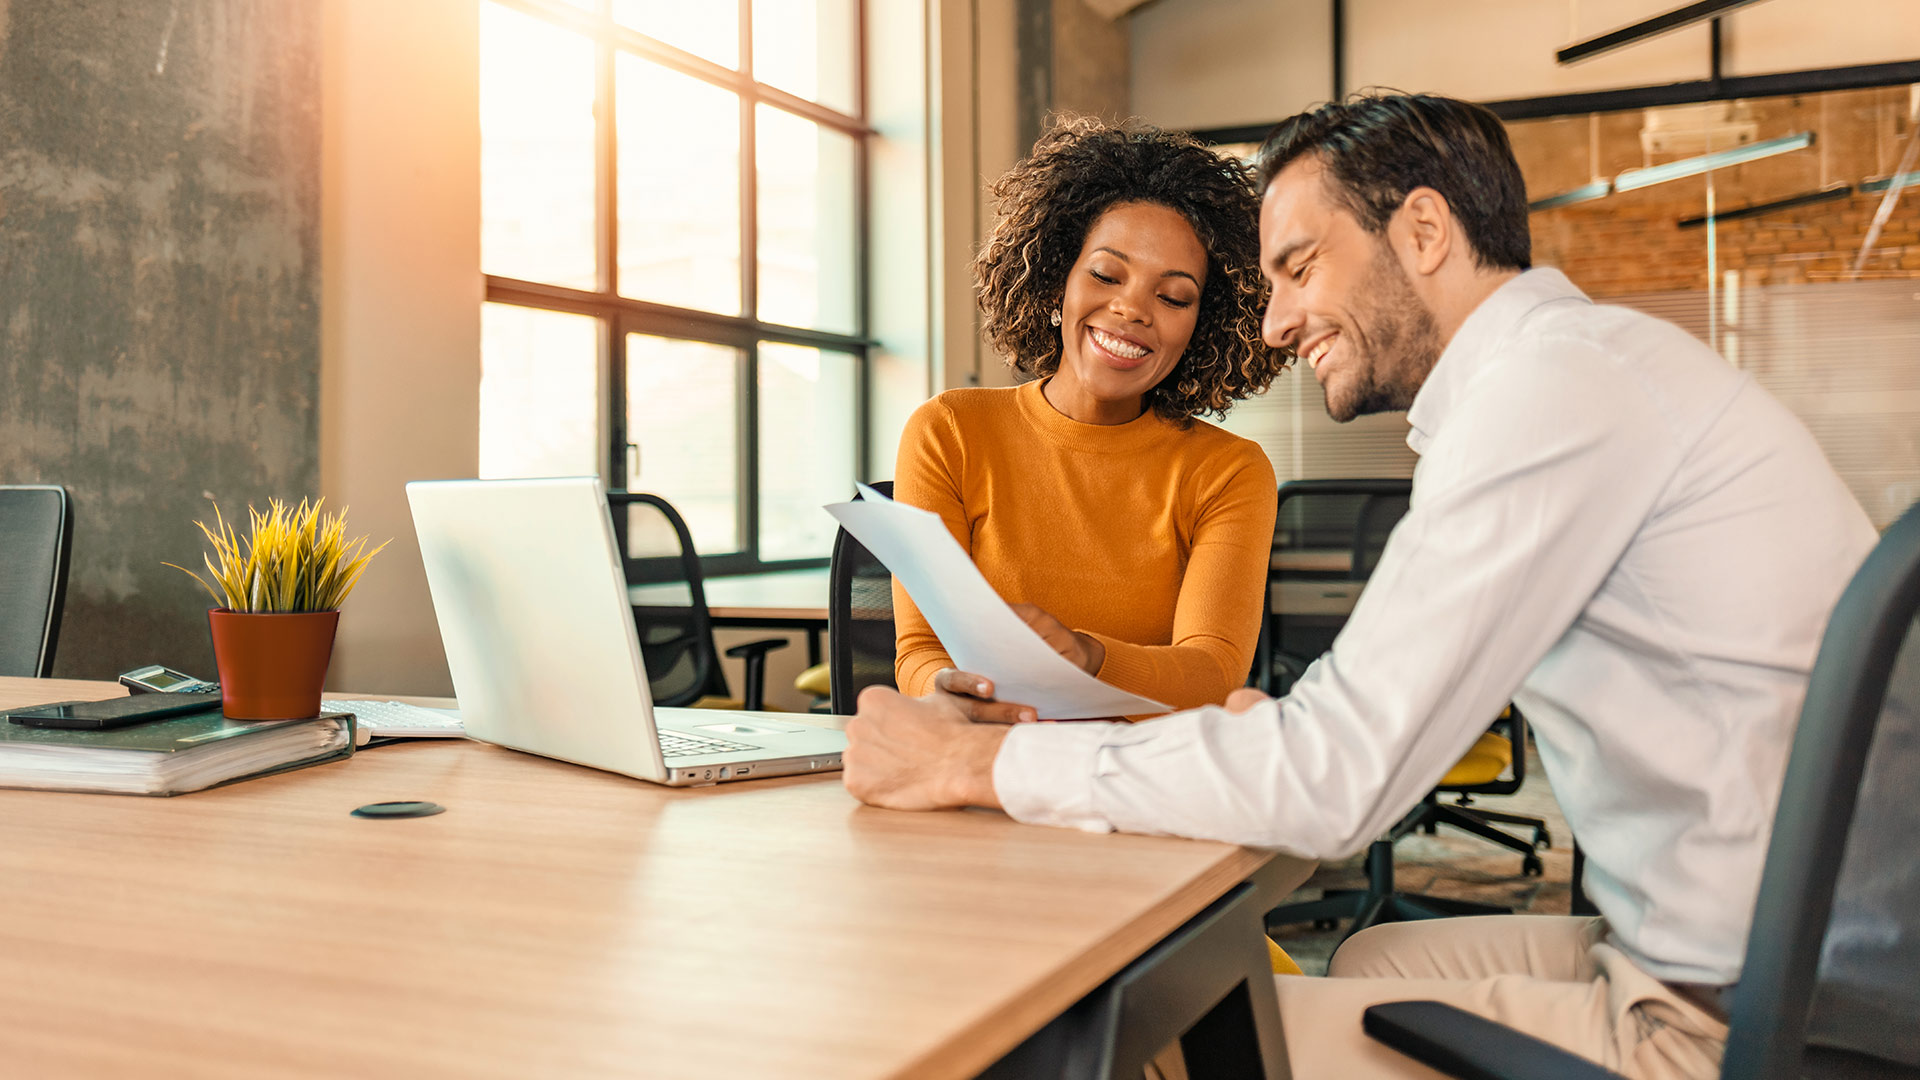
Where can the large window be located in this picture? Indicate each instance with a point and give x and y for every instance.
(672, 202)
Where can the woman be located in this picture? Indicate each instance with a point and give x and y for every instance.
(1122, 279)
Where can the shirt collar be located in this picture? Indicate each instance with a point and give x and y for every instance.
(1477, 342)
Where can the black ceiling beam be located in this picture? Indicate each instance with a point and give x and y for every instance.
(1654, 27)
(1756, 209)
(1779, 84)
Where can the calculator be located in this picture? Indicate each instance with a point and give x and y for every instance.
(160, 679)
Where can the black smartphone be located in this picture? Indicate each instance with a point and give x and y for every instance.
(113, 712)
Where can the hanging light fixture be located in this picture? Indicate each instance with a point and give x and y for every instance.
(1634, 179)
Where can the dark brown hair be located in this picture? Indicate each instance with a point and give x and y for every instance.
(1377, 147)
(1080, 169)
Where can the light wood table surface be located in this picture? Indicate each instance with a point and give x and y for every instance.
(1321, 599)
(555, 921)
(802, 595)
(1318, 560)
(751, 599)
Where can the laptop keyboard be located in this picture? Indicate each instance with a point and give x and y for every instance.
(677, 744)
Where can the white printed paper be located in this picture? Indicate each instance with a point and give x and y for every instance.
(980, 632)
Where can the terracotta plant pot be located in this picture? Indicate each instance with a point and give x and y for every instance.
(271, 666)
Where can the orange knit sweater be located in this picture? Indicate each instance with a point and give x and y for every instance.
(1150, 537)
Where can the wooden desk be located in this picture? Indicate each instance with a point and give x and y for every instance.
(751, 599)
(1291, 598)
(556, 921)
(782, 600)
(1313, 560)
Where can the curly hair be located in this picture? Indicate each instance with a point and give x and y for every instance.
(1078, 170)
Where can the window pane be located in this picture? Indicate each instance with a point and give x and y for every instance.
(805, 223)
(536, 150)
(806, 448)
(679, 188)
(681, 407)
(709, 28)
(806, 47)
(539, 391)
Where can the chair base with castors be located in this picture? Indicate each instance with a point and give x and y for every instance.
(1479, 772)
(1378, 902)
(1463, 815)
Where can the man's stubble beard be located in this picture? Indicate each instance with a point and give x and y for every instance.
(1404, 339)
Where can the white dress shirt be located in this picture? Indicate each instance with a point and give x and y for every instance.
(1612, 528)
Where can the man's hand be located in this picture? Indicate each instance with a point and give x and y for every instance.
(920, 753)
(1084, 650)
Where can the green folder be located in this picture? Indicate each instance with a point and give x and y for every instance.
(171, 756)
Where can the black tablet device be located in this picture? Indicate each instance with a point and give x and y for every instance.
(113, 712)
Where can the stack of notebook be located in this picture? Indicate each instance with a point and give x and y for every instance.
(168, 757)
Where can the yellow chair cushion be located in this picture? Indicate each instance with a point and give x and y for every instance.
(714, 701)
(814, 682)
(1282, 963)
(1490, 756)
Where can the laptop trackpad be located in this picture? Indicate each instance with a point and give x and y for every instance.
(740, 728)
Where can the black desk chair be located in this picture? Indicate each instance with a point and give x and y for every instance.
(1828, 987)
(1352, 519)
(676, 638)
(36, 537)
(1345, 522)
(860, 636)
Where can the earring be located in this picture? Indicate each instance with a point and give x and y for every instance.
(1055, 317)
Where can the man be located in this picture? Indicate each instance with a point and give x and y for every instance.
(1610, 526)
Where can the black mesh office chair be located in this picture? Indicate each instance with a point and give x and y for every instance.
(1324, 530)
(36, 545)
(676, 629)
(1828, 986)
(860, 636)
(1336, 530)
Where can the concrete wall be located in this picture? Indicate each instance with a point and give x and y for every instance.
(1217, 63)
(400, 377)
(159, 288)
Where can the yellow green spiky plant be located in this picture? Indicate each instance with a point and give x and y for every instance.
(293, 559)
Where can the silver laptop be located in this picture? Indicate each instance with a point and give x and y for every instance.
(533, 609)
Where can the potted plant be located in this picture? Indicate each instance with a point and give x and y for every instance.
(277, 605)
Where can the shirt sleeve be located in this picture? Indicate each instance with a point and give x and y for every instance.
(1523, 503)
(926, 475)
(1216, 618)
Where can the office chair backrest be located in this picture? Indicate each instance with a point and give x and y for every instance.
(1349, 517)
(1378, 515)
(676, 633)
(860, 635)
(36, 545)
(1835, 945)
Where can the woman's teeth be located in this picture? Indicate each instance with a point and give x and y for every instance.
(1126, 350)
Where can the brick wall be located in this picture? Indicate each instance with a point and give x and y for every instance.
(1632, 242)
(1618, 250)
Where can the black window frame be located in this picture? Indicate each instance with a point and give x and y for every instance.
(618, 316)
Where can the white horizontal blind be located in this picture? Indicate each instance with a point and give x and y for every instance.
(1291, 424)
(1844, 357)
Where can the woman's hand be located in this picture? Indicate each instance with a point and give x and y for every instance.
(984, 710)
(1085, 651)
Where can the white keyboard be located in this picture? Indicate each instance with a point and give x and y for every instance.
(680, 744)
(391, 719)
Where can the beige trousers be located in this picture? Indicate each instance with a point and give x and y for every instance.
(1552, 977)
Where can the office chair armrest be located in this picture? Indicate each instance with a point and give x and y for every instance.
(1470, 1047)
(755, 650)
(755, 654)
